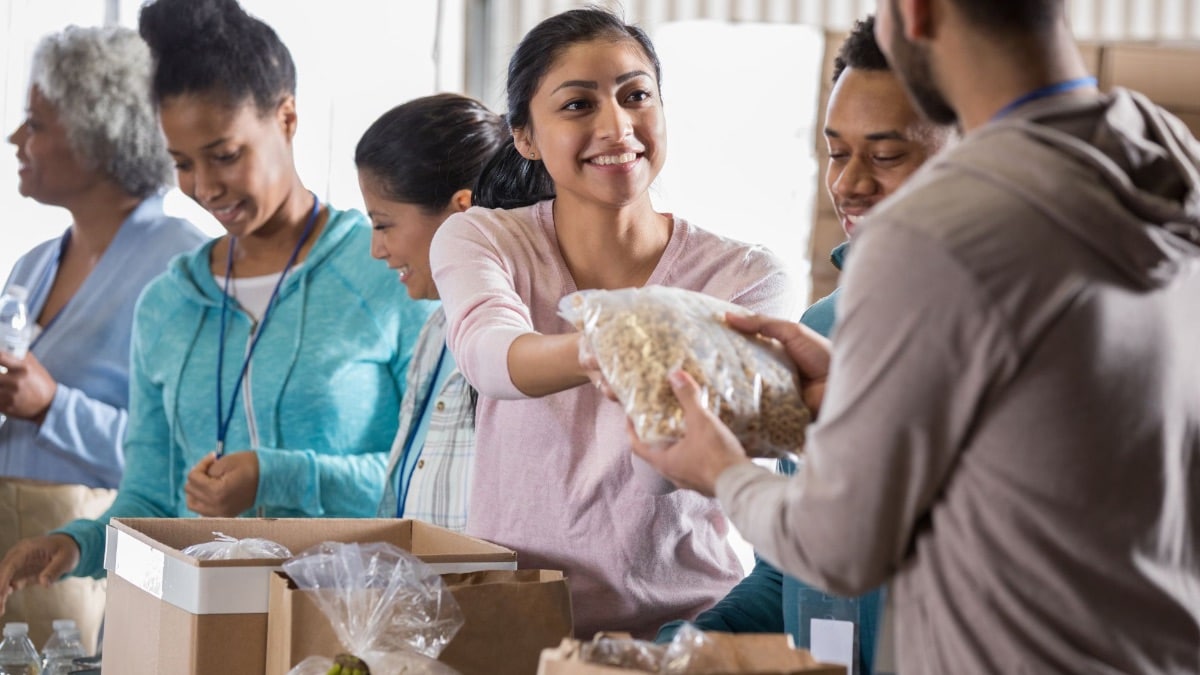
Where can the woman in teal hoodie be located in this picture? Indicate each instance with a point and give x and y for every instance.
(268, 366)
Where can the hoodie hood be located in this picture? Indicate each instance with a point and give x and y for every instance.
(1118, 155)
(192, 274)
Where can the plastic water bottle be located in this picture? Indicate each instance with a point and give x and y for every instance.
(61, 650)
(17, 655)
(15, 331)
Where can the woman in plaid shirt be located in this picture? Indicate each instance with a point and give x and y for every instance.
(416, 166)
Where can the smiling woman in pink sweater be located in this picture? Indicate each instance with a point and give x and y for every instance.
(554, 477)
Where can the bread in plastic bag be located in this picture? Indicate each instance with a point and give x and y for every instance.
(225, 547)
(640, 335)
(385, 605)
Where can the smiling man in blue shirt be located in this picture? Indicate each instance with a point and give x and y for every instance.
(876, 140)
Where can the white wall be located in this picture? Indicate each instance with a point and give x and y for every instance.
(740, 124)
(368, 56)
(23, 222)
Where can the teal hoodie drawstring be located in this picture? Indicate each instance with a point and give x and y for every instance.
(297, 340)
(175, 457)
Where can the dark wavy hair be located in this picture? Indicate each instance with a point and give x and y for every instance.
(215, 47)
(510, 180)
(425, 150)
(859, 50)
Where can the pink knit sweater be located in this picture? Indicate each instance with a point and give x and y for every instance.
(553, 476)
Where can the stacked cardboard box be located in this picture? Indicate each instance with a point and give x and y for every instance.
(509, 618)
(171, 613)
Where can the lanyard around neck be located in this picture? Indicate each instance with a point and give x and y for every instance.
(1045, 92)
(224, 419)
(414, 424)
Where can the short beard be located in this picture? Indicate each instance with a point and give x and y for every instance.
(911, 63)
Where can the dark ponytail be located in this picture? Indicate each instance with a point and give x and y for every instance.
(510, 180)
(425, 150)
(213, 47)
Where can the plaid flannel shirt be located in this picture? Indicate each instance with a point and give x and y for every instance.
(440, 480)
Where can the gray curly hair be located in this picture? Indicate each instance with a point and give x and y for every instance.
(98, 80)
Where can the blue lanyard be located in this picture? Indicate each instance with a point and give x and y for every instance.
(223, 421)
(415, 424)
(1046, 92)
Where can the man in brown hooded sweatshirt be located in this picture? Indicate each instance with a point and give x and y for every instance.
(1009, 430)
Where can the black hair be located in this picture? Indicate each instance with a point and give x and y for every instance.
(425, 150)
(1012, 17)
(214, 47)
(859, 50)
(510, 180)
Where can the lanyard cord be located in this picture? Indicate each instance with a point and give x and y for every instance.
(223, 421)
(1046, 92)
(402, 496)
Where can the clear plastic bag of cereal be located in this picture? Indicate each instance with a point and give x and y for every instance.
(640, 335)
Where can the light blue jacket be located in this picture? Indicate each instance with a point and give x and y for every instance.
(86, 350)
(320, 400)
(823, 313)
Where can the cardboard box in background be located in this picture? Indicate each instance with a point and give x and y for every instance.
(755, 653)
(509, 618)
(171, 613)
(1168, 74)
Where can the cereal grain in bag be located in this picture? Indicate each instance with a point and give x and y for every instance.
(640, 335)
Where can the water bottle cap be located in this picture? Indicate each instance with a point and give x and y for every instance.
(15, 628)
(63, 624)
(19, 292)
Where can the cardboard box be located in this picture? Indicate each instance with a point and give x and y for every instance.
(171, 613)
(509, 618)
(755, 654)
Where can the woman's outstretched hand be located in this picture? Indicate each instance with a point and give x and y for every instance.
(37, 560)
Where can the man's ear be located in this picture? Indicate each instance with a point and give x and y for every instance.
(918, 18)
(285, 114)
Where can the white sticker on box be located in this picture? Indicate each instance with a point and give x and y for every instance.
(832, 642)
(138, 563)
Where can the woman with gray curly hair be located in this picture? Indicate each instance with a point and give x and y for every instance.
(91, 144)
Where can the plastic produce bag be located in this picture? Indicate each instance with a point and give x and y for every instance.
(226, 547)
(385, 605)
(640, 335)
(405, 663)
(623, 653)
(690, 652)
